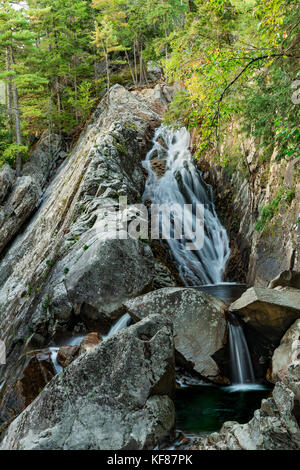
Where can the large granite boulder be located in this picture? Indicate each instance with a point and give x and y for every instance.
(198, 320)
(106, 273)
(21, 196)
(116, 396)
(287, 353)
(275, 426)
(269, 311)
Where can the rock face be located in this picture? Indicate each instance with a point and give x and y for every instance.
(258, 255)
(31, 373)
(89, 342)
(22, 202)
(44, 159)
(116, 396)
(287, 353)
(20, 197)
(7, 177)
(198, 320)
(275, 426)
(269, 311)
(66, 268)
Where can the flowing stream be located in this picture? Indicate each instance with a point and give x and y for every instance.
(173, 180)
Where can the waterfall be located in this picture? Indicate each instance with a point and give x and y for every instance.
(173, 179)
(182, 184)
(241, 364)
(119, 325)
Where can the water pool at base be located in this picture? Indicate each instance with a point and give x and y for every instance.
(203, 409)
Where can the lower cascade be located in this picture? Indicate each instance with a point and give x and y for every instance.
(241, 364)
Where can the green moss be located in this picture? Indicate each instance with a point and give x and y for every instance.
(47, 302)
(268, 211)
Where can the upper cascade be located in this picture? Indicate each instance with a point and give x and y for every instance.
(182, 186)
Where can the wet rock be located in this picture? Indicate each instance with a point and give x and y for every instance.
(269, 311)
(287, 353)
(67, 354)
(7, 177)
(23, 195)
(104, 164)
(29, 376)
(199, 325)
(89, 342)
(159, 167)
(44, 158)
(275, 426)
(288, 278)
(117, 396)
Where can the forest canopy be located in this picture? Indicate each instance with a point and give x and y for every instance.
(235, 60)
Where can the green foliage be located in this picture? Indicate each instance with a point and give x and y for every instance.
(46, 302)
(268, 211)
(237, 60)
(11, 152)
(179, 113)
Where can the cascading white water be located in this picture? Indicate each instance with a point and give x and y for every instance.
(241, 364)
(182, 184)
(119, 325)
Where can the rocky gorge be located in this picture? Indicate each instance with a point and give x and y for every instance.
(64, 274)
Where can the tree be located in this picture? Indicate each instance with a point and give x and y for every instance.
(106, 41)
(225, 46)
(14, 38)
